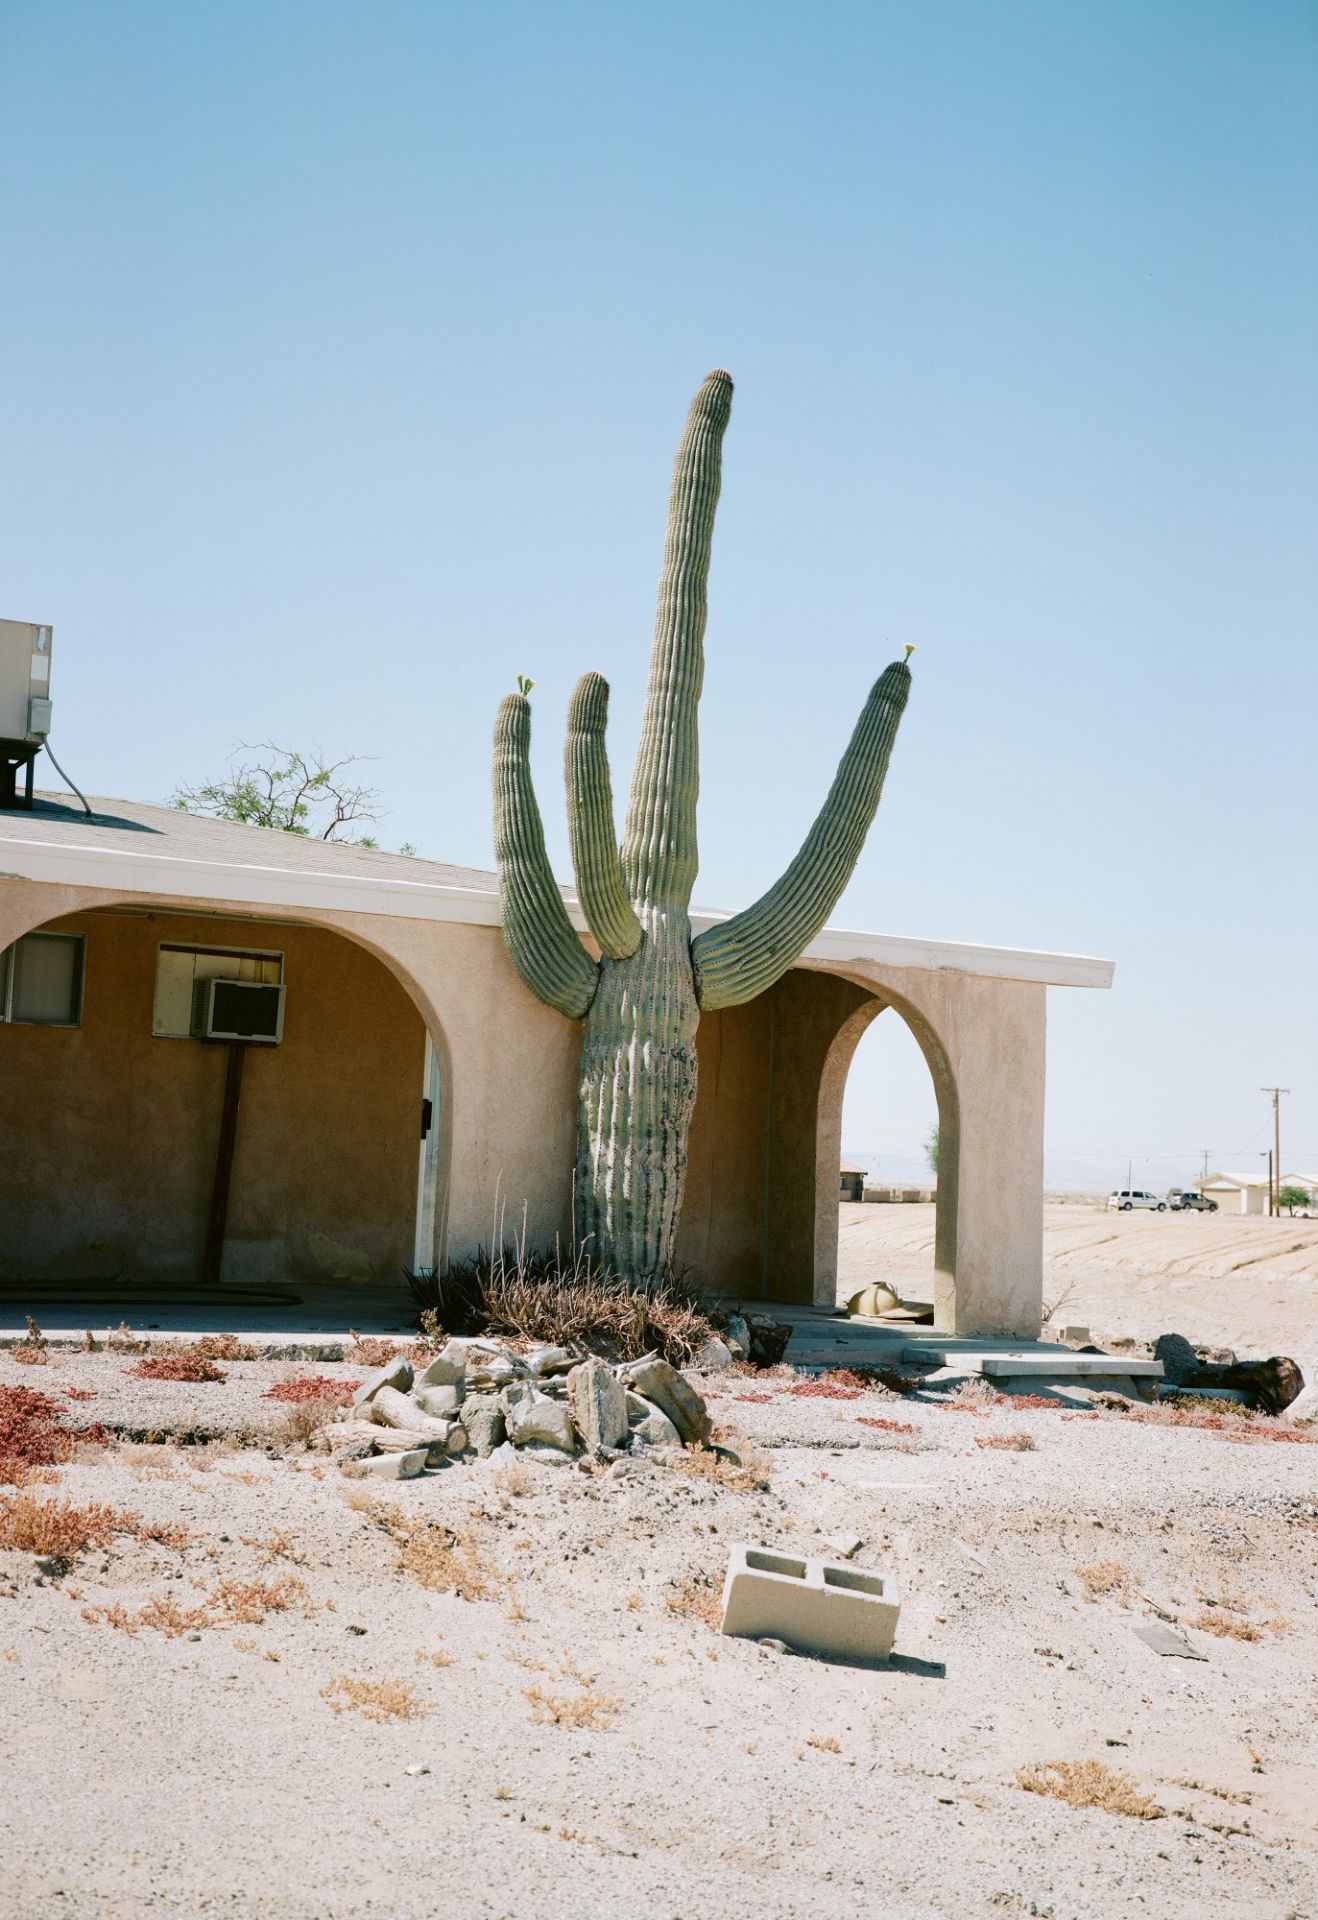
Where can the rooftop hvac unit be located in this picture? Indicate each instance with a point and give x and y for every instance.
(24, 704)
(24, 682)
(241, 1010)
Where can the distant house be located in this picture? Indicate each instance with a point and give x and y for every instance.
(1236, 1192)
(853, 1182)
(1307, 1183)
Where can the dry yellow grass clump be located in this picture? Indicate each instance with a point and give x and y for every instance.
(699, 1600)
(232, 1603)
(1104, 1576)
(1088, 1783)
(747, 1474)
(377, 1699)
(1226, 1626)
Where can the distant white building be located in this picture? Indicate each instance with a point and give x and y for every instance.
(1236, 1192)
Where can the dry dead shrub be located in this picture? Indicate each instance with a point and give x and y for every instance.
(1214, 1416)
(698, 1598)
(58, 1528)
(368, 1350)
(514, 1480)
(276, 1546)
(303, 1421)
(78, 1393)
(195, 1368)
(1031, 1402)
(1005, 1442)
(585, 1708)
(438, 1557)
(377, 1699)
(31, 1352)
(884, 1426)
(1104, 1576)
(232, 1603)
(313, 1386)
(29, 1436)
(558, 1300)
(123, 1340)
(1088, 1783)
(216, 1346)
(758, 1399)
(823, 1743)
(433, 1657)
(974, 1396)
(746, 1473)
(1226, 1626)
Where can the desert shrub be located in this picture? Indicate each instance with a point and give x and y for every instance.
(32, 1351)
(30, 1436)
(1104, 1576)
(369, 1350)
(217, 1346)
(57, 1528)
(747, 1473)
(435, 1555)
(884, 1426)
(584, 1709)
(1088, 1783)
(547, 1297)
(1031, 1402)
(1005, 1442)
(699, 1598)
(822, 1389)
(1236, 1423)
(233, 1603)
(191, 1367)
(1225, 1625)
(314, 1386)
(377, 1699)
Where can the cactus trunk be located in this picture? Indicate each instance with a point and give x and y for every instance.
(637, 1091)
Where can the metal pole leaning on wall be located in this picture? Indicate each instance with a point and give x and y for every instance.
(213, 1257)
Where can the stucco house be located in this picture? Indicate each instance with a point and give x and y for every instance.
(402, 1097)
(1236, 1192)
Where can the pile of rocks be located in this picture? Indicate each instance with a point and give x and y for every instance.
(478, 1396)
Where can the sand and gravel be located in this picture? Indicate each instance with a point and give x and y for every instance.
(1250, 1284)
(581, 1739)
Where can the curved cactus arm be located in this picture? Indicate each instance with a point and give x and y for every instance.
(543, 943)
(603, 897)
(659, 841)
(746, 954)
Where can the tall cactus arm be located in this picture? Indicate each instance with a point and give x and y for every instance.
(541, 939)
(595, 862)
(743, 956)
(659, 842)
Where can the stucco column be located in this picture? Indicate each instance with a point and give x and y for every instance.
(997, 1058)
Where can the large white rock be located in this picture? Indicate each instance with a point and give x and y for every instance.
(441, 1403)
(549, 1360)
(533, 1416)
(598, 1401)
(448, 1367)
(649, 1426)
(395, 1373)
(390, 1408)
(664, 1385)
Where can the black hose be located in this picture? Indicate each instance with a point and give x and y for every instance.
(64, 776)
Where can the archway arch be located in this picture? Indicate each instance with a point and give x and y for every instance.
(330, 1132)
(832, 1087)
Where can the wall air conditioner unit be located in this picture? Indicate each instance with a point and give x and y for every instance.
(241, 1010)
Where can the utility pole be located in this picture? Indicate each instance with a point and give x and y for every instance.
(1203, 1171)
(1274, 1171)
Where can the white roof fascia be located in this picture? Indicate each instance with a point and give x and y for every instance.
(176, 876)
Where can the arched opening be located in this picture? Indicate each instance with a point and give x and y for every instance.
(886, 1076)
(118, 1080)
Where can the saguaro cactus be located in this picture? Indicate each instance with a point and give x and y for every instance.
(642, 999)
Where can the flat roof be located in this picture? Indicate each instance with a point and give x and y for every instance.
(129, 847)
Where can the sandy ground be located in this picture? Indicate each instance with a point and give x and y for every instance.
(1249, 1284)
(708, 1779)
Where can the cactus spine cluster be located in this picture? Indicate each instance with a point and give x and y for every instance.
(642, 1000)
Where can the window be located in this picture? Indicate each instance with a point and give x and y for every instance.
(41, 980)
(182, 971)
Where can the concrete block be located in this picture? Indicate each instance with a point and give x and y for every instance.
(815, 1606)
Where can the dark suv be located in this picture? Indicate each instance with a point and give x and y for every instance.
(1191, 1203)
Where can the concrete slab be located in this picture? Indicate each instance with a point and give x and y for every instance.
(1059, 1365)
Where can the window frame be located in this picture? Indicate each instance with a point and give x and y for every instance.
(8, 1017)
(195, 947)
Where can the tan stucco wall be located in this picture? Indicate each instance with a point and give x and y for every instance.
(110, 1134)
(761, 1214)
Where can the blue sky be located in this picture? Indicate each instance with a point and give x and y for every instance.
(346, 348)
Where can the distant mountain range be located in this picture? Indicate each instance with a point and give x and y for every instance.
(1060, 1175)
